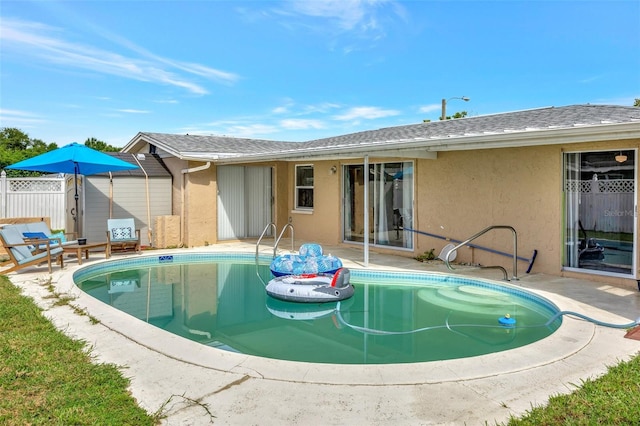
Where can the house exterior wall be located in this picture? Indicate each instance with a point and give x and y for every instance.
(200, 206)
(323, 225)
(463, 192)
(456, 195)
(200, 201)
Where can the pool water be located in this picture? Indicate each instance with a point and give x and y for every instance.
(392, 318)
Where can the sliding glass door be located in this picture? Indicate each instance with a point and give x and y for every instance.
(600, 210)
(390, 203)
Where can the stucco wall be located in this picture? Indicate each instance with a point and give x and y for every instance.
(463, 192)
(323, 224)
(456, 195)
(200, 214)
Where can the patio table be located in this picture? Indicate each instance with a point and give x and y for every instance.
(78, 249)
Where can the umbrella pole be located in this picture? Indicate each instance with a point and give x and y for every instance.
(75, 216)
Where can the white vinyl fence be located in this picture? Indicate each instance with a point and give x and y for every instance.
(606, 205)
(34, 197)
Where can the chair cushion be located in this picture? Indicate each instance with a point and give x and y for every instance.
(11, 236)
(61, 235)
(41, 255)
(121, 233)
(38, 227)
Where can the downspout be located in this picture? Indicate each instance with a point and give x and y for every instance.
(146, 184)
(183, 196)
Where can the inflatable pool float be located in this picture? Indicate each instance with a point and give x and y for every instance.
(309, 260)
(320, 287)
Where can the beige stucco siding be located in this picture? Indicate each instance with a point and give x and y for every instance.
(463, 192)
(459, 194)
(455, 196)
(200, 198)
(322, 225)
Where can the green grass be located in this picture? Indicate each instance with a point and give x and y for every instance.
(46, 378)
(613, 399)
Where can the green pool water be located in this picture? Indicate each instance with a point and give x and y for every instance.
(392, 318)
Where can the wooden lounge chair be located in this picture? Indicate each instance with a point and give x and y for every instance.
(122, 235)
(23, 254)
(40, 231)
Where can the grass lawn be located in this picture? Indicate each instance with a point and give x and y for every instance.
(48, 378)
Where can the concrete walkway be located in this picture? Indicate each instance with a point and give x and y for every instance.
(195, 384)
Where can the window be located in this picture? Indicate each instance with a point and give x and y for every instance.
(304, 187)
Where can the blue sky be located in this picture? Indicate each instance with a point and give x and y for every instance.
(302, 70)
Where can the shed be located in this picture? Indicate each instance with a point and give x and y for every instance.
(144, 194)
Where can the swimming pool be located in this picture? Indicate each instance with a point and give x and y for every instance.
(219, 300)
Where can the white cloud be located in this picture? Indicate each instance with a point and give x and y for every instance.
(430, 108)
(16, 118)
(301, 124)
(133, 111)
(349, 14)
(367, 113)
(45, 43)
(287, 103)
(251, 130)
(323, 107)
(351, 25)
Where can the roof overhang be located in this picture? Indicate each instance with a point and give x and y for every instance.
(426, 148)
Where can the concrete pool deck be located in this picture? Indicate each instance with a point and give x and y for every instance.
(189, 382)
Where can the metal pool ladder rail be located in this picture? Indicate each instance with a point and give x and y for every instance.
(272, 226)
(484, 231)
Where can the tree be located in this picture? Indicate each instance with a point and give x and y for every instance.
(99, 145)
(15, 145)
(460, 114)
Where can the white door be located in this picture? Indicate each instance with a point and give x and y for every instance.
(244, 201)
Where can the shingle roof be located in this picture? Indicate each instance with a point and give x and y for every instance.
(195, 144)
(520, 121)
(151, 164)
(463, 129)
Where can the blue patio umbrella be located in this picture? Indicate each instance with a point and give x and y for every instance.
(73, 158)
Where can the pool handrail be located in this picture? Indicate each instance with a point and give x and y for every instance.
(479, 234)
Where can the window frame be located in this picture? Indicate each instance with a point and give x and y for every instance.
(298, 188)
(569, 240)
